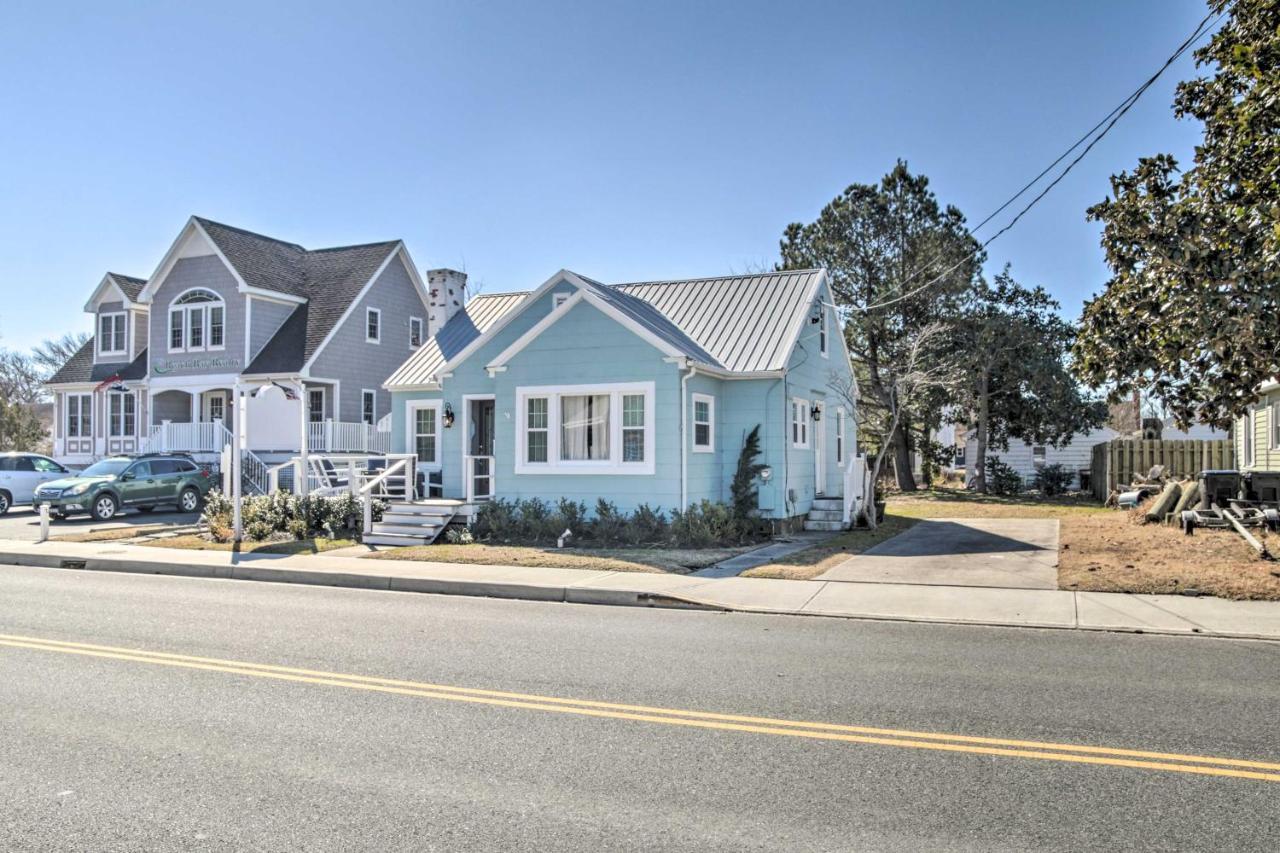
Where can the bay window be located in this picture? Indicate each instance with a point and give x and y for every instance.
(586, 429)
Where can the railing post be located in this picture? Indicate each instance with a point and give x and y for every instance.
(164, 435)
(352, 485)
(368, 513)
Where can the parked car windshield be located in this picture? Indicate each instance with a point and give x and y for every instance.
(105, 468)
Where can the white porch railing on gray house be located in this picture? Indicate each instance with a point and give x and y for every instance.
(343, 437)
(197, 437)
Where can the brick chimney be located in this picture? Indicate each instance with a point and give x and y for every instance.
(446, 294)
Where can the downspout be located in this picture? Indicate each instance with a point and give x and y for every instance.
(684, 434)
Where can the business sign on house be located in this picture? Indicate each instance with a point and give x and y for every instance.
(161, 367)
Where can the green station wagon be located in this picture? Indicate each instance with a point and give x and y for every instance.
(134, 482)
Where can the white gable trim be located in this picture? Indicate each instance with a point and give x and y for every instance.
(501, 323)
(602, 305)
(98, 292)
(346, 312)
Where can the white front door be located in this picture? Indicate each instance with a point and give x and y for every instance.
(215, 406)
(819, 450)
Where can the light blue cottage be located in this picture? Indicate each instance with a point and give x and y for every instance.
(638, 393)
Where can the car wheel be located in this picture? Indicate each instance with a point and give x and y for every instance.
(104, 507)
(189, 500)
(5, 502)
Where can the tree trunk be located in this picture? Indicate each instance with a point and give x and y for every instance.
(902, 460)
(984, 415)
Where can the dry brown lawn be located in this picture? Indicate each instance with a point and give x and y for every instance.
(1112, 552)
(668, 560)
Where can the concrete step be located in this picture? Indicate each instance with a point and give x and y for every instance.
(397, 539)
(415, 518)
(407, 529)
(828, 502)
(420, 509)
(823, 525)
(826, 514)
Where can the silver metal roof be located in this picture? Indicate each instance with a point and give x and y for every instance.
(464, 327)
(742, 324)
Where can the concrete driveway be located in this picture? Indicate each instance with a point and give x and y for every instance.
(22, 522)
(1014, 553)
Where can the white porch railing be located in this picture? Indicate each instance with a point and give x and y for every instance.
(343, 437)
(857, 488)
(198, 437)
(479, 473)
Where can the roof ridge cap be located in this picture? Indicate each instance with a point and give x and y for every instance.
(666, 281)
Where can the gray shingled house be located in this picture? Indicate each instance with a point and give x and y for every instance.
(314, 331)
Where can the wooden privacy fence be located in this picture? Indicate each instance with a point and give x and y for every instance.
(1116, 462)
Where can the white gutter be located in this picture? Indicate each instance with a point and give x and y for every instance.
(684, 434)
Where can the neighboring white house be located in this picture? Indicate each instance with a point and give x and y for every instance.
(1075, 456)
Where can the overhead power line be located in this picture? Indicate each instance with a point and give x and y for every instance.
(1093, 136)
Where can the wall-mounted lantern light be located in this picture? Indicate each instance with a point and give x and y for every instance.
(816, 413)
(448, 416)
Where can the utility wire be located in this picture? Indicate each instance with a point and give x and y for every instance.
(1106, 124)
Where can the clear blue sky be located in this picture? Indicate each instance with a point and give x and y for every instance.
(626, 141)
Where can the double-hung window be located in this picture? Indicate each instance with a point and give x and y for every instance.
(424, 426)
(586, 429)
(415, 332)
(79, 415)
(373, 326)
(840, 435)
(822, 333)
(799, 422)
(111, 334)
(536, 425)
(197, 322)
(369, 406)
(121, 414)
(704, 413)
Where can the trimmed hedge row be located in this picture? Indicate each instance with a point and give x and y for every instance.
(536, 522)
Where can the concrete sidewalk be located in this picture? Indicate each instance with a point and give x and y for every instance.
(1160, 614)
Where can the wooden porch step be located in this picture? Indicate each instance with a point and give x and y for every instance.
(397, 539)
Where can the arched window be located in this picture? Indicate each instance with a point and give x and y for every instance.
(197, 321)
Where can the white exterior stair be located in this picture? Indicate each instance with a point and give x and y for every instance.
(825, 514)
(412, 523)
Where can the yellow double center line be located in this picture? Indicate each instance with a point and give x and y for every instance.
(1068, 752)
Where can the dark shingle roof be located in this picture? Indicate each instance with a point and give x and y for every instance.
(284, 352)
(131, 286)
(330, 279)
(80, 368)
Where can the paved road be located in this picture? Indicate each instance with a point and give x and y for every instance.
(113, 750)
(22, 522)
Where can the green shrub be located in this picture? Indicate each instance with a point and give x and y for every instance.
(282, 513)
(1001, 478)
(458, 536)
(1053, 480)
(745, 495)
(608, 525)
(703, 525)
(646, 526)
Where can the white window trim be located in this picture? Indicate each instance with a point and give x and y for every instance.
(711, 423)
(80, 410)
(1274, 426)
(422, 337)
(411, 434)
(206, 323)
(378, 338)
(613, 465)
(824, 333)
(111, 432)
(124, 333)
(363, 393)
(805, 421)
(840, 436)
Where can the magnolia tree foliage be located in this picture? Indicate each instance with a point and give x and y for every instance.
(1192, 311)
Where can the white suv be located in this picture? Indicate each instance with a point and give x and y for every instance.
(21, 474)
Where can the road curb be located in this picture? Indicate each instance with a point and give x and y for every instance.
(263, 571)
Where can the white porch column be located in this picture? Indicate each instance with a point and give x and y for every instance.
(195, 407)
(304, 420)
(237, 443)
